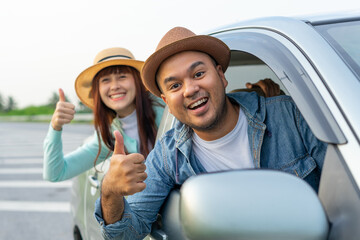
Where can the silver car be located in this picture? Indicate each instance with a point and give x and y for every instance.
(316, 60)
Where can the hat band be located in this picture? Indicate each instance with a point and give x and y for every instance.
(114, 56)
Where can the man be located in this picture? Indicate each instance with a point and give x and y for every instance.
(214, 132)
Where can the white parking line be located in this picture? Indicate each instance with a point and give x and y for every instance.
(21, 161)
(25, 206)
(20, 170)
(34, 184)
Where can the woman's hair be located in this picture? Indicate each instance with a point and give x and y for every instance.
(103, 115)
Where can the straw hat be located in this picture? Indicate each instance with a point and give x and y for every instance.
(177, 40)
(105, 58)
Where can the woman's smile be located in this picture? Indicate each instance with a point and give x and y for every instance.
(117, 96)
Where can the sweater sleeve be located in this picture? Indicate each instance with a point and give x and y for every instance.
(58, 167)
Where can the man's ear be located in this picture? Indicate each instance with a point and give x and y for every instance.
(221, 75)
(164, 99)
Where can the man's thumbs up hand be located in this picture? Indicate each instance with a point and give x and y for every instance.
(126, 174)
(119, 143)
(64, 112)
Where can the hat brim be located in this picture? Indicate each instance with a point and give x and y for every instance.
(83, 82)
(202, 43)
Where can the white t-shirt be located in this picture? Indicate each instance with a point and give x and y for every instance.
(129, 126)
(229, 152)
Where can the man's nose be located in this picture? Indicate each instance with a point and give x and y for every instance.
(191, 87)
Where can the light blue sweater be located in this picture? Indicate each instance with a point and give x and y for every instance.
(58, 167)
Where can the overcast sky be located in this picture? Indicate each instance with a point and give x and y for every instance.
(45, 44)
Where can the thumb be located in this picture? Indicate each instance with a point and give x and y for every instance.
(61, 95)
(119, 143)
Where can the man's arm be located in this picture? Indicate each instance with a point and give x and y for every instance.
(125, 177)
(315, 147)
(112, 206)
(137, 212)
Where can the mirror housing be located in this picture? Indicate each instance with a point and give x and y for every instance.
(251, 204)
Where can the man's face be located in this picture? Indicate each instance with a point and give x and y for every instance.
(194, 89)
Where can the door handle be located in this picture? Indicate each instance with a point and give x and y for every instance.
(94, 182)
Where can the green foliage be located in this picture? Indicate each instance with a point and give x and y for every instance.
(9, 107)
(54, 99)
(31, 110)
(11, 104)
(2, 105)
(83, 108)
(6, 106)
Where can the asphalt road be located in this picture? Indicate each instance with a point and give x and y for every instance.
(31, 208)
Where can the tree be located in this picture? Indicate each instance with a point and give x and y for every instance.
(11, 104)
(54, 99)
(2, 105)
(83, 108)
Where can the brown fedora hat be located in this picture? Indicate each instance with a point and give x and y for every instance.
(105, 58)
(177, 40)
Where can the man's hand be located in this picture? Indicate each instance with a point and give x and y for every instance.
(125, 177)
(64, 112)
(268, 86)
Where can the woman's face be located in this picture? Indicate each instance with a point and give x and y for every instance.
(117, 91)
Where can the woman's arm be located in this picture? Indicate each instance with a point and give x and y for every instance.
(58, 167)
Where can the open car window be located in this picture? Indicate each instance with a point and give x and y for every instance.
(244, 68)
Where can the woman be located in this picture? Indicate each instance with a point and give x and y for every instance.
(113, 89)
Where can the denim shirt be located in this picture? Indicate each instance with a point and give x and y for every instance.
(279, 139)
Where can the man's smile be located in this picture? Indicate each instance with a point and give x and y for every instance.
(199, 103)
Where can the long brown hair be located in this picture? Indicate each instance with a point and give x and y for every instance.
(103, 115)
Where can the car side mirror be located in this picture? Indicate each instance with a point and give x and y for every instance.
(251, 204)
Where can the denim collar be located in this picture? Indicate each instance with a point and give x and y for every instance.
(252, 105)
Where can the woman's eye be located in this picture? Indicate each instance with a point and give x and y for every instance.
(199, 74)
(104, 80)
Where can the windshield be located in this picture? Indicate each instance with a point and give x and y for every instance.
(345, 39)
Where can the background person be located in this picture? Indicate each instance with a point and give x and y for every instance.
(113, 89)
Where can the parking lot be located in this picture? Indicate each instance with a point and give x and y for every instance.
(30, 207)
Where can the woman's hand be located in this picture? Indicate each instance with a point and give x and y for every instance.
(64, 112)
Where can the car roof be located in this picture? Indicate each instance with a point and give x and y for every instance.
(300, 31)
(278, 21)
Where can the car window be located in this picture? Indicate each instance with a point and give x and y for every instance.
(269, 54)
(344, 38)
(244, 68)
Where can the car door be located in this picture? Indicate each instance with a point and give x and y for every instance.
(94, 177)
(309, 70)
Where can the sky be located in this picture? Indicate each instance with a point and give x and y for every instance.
(46, 44)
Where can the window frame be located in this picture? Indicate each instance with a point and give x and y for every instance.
(269, 47)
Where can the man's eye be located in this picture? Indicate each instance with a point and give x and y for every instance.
(174, 86)
(198, 74)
